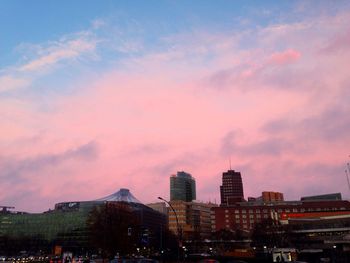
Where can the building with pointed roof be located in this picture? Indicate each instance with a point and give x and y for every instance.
(67, 224)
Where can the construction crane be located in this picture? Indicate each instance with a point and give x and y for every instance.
(5, 208)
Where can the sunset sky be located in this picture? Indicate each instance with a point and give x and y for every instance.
(101, 95)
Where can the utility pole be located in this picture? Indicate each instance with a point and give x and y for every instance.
(179, 236)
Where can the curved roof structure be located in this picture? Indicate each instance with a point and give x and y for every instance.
(122, 195)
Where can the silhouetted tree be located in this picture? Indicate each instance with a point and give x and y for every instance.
(114, 228)
(270, 233)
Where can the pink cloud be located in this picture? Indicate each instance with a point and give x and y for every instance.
(285, 57)
(8, 83)
(339, 43)
(282, 127)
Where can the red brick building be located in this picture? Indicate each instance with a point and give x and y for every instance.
(269, 196)
(245, 215)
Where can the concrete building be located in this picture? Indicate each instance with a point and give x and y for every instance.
(160, 207)
(182, 187)
(325, 197)
(193, 218)
(231, 190)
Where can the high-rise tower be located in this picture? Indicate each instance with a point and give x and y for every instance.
(231, 190)
(182, 187)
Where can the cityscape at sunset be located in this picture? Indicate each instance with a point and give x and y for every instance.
(96, 96)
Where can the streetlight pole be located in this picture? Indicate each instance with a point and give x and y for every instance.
(177, 226)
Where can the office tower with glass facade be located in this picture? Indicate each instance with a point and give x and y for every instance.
(182, 187)
(231, 190)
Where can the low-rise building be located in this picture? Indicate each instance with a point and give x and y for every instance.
(67, 225)
(246, 215)
(193, 219)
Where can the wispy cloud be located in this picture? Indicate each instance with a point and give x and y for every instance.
(58, 51)
(8, 83)
(15, 169)
(41, 59)
(273, 98)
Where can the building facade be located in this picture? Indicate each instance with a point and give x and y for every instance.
(160, 207)
(182, 187)
(324, 197)
(231, 190)
(246, 215)
(67, 225)
(193, 219)
(268, 196)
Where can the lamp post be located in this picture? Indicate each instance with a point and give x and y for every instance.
(177, 226)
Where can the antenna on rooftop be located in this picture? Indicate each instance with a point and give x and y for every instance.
(230, 163)
(347, 178)
(347, 172)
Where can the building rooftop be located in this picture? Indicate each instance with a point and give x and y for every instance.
(122, 195)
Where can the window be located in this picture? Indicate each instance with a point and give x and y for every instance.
(250, 211)
(244, 211)
(236, 211)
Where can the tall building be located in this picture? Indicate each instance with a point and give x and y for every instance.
(182, 187)
(231, 190)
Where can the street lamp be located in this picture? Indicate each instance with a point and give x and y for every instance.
(177, 226)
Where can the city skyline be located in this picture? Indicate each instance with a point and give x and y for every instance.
(97, 96)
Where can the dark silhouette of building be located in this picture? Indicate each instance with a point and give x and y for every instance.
(182, 187)
(67, 225)
(324, 197)
(231, 190)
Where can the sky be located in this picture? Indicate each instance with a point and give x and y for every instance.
(101, 95)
